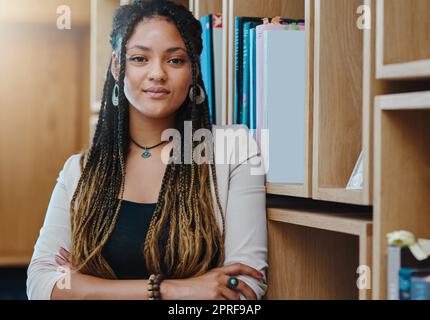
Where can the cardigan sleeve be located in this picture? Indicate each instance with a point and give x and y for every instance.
(245, 220)
(43, 273)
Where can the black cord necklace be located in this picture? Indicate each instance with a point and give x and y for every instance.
(146, 153)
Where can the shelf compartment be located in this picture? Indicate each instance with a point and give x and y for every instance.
(402, 174)
(335, 244)
(343, 97)
(297, 9)
(403, 40)
(305, 189)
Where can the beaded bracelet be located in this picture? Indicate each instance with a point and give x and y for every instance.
(154, 286)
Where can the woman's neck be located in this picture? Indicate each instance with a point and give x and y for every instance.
(147, 131)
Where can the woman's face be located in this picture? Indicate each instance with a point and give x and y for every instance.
(158, 70)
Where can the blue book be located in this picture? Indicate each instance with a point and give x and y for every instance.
(206, 63)
(405, 281)
(245, 112)
(238, 63)
(252, 79)
(420, 288)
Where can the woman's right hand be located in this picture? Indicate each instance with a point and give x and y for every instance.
(212, 285)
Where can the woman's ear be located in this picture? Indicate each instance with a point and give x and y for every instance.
(114, 69)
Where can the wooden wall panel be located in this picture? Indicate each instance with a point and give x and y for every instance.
(44, 110)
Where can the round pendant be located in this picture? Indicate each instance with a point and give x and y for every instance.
(146, 154)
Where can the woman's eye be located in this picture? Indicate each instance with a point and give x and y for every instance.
(138, 59)
(177, 61)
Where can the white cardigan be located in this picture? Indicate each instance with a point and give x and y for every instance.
(242, 196)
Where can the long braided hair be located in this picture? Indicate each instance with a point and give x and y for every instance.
(183, 238)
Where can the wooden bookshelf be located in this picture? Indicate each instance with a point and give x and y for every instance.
(402, 175)
(403, 40)
(339, 130)
(341, 115)
(344, 91)
(323, 248)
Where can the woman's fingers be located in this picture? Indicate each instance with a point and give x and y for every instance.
(65, 254)
(240, 268)
(230, 294)
(246, 290)
(60, 261)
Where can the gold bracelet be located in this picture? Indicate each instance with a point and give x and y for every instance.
(154, 286)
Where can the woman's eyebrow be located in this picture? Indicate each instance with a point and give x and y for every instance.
(170, 50)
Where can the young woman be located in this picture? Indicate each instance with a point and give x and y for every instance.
(124, 223)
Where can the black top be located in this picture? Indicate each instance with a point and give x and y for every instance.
(124, 249)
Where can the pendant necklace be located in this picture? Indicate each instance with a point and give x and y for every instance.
(146, 153)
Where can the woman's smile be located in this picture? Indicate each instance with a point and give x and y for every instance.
(157, 95)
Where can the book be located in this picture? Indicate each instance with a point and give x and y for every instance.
(217, 34)
(252, 80)
(238, 64)
(405, 280)
(206, 63)
(284, 80)
(244, 112)
(259, 69)
(420, 288)
(286, 24)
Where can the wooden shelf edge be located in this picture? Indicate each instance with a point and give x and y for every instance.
(341, 195)
(293, 190)
(407, 70)
(10, 261)
(404, 101)
(349, 223)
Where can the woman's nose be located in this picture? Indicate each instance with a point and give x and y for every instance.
(157, 72)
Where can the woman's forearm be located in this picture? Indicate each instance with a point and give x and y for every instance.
(83, 287)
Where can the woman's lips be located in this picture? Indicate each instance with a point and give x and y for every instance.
(156, 95)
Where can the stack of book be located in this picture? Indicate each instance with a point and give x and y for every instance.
(269, 87)
(269, 91)
(407, 278)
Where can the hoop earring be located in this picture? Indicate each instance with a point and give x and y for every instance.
(115, 95)
(199, 98)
